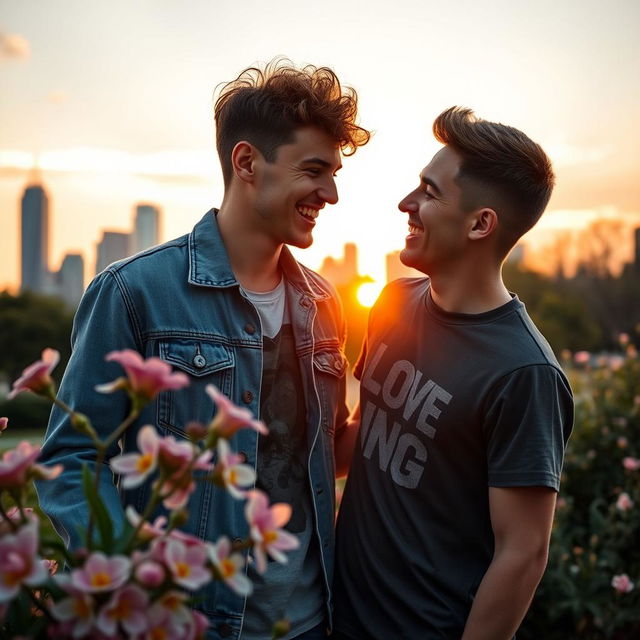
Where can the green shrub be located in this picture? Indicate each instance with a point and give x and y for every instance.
(26, 411)
(597, 529)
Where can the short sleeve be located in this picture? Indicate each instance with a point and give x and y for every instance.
(527, 424)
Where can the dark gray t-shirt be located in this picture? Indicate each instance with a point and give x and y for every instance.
(450, 405)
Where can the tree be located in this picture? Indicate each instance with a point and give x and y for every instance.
(28, 324)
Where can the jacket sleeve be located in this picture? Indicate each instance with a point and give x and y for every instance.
(104, 322)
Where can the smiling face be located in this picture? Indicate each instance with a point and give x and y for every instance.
(438, 225)
(291, 191)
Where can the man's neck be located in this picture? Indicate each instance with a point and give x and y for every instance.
(470, 290)
(253, 256)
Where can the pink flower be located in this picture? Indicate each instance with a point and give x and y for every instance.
(230, 418)
(137, 466)
(230, 472)
(197, 627)
(174, 456)
(177, 492)
(3, 423)
(146, 378)
(148, 531)
(37, 376)
(101, 573)
(127, 608)
(168, 617)
(624, 502)
(229, 567)
(631, 464)
(177, 461)
(265, 524)
(621, 583)
(17, 466)
(150, 573)
(581, 357)
(186, 563)
(19, 563)
(78, 609)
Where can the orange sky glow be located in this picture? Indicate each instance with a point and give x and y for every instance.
(113, 102)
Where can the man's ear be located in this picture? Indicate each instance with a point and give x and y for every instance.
(485, 222)
(243, 157)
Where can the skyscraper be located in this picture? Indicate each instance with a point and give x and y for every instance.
(71, 279)
(146, 232)
(113, 246)
(341, 271)
(35, 239)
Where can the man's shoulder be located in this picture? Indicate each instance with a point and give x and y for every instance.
(397, 292)
(318, 285)
(149, 259)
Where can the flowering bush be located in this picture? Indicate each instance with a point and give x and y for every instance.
(591, 589)
(136, 586)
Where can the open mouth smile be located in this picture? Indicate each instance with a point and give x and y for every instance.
(307, 212)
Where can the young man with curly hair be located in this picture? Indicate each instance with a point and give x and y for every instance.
(228, 305)
(464, 411)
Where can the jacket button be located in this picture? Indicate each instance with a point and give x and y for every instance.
(305, 302)
(337, 364)
(225, 630)
(199, 361)
(247, 397)
(249, 328)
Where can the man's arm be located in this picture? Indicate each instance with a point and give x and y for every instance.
(521, 518)
(345, 443)
(102, 324)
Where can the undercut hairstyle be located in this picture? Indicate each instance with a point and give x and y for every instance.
(266, 107)
(501, 168)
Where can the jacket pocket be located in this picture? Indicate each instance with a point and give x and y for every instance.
(330, 367)
(205, 362)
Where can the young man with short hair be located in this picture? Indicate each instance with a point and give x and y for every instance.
(464, 411)
(228, 305)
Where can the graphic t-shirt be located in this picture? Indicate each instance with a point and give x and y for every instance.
(451, 404)
(295, 589)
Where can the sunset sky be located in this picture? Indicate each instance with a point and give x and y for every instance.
(113, 101)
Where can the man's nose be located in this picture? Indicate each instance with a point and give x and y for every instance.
(407, 204)
(329, 192)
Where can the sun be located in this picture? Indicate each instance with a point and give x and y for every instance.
(368, 293)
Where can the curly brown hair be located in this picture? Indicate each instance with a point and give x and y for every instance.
(501, 168)
(265, 107)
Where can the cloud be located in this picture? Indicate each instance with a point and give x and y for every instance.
(14, 47)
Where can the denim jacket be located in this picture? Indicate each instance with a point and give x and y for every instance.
(181, 302)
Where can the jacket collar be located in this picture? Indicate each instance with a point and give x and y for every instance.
(209, 263)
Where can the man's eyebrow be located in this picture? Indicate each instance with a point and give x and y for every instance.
(321, 162)
(431, 183)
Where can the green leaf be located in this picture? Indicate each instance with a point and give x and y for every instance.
(98, 510)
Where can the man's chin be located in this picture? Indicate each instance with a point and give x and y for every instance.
(408, 259)
(301, 243)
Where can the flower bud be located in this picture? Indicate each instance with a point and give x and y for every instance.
(196, 431)
(281, 628)
(178, 518)
(150, 574)
(81, 423)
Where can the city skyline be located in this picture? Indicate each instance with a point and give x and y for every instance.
(69, 281)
